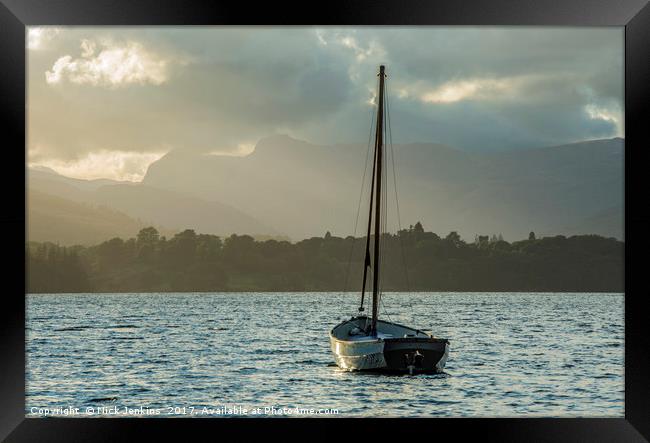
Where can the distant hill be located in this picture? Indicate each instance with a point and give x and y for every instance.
(66, 222)
(305, 190)
(160, 207)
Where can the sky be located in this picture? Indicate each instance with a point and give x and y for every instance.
(106, 102)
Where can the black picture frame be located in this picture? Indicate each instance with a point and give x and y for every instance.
(634, 15)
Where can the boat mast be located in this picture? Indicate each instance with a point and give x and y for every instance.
(379, 143)
(366, 262)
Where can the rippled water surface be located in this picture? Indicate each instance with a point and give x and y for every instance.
(511, 355)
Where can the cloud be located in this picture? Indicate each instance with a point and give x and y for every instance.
(482, 88)
(243, 149)
(359, 49)
(114, 66)
(361, 53)
(321, 37)
(116, 165)
(473, 89)
(38, 37)
(613, 116)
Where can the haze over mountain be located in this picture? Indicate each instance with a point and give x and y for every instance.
(291, 187)
(304, 190)
(79, 208)
(63, 221)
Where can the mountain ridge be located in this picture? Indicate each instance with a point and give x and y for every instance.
(159, 207)
(307, 189)
(59, 220)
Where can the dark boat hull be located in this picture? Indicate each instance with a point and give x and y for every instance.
(415, 355)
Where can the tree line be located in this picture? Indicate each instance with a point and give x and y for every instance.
(412, 259)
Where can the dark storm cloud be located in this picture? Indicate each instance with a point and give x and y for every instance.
(557, 74)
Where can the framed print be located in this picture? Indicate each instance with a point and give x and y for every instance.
(423, 217)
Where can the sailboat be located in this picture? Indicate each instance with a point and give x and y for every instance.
(365, 343)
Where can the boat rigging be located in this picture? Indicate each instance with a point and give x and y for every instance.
(368, 343)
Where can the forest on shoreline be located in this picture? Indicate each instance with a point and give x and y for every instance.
(413, 260)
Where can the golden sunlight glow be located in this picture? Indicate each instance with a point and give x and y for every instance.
(600, 113)
(243, 149)
(113, 66)
(455, 91)
(38, 36)
(116, 165)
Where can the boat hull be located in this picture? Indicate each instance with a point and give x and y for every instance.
(415, 355)
(413, 351)
(358, 356)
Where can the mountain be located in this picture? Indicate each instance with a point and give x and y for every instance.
(154, 206)
(305, 189)
(59, 220)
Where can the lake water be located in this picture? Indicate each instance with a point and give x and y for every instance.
(229, 354)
